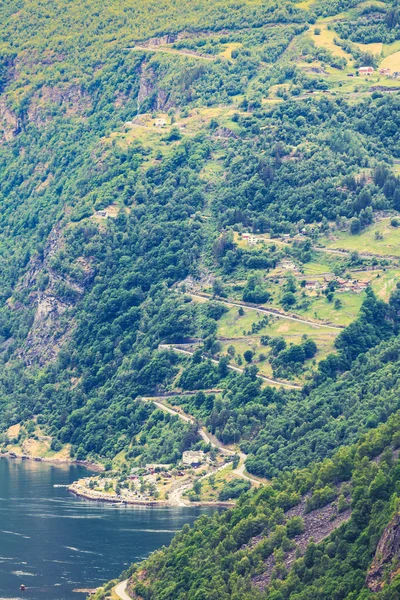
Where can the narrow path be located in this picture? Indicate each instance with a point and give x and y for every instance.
(175, 497)
(120, 590)
(343, 251)
(293, 386)
(240, 471)
(172, 51)
(209, 439)
(267, 311)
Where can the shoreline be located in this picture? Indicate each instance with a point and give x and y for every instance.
(153, 503)
(97, 467)
(115, 499)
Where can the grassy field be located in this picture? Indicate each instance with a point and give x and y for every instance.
(326, 40)
(209, 493)
(375, 48)
(392, 62)
(227, 53)
(253, 344)
(320, 308)
(324, 264)
(389, 244)
(236, 328)
(389, 49)
(151, 130)
(384, 285)
(212, 171)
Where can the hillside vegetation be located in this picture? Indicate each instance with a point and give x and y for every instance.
(201, 202)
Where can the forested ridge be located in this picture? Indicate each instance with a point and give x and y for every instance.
(203, 200)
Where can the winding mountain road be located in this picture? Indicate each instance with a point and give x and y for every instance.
(175, 496)
(293, 386)
(120, 590)
(209, 439)
(279, 315)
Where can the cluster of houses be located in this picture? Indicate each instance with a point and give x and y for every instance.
(342, 285)
(252, 240)
(144, 485)
(366, 71)
(193, 458)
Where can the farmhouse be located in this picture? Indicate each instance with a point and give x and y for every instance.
(386, 72)
(288, 265)
(192, 457)
(251, 239)
(366, 71)
(354, 286)
(152, 467)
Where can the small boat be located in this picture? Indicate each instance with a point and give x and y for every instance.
(22, 587)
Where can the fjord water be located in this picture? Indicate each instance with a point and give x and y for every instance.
(54, 542)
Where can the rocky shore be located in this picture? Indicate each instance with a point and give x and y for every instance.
(76, 488)
(100, 497)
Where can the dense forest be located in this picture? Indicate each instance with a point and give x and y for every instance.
(203, 200)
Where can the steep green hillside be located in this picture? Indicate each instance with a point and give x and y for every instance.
(203, 200)
(105, 206)
(103, 210)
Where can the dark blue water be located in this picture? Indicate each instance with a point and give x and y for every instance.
(53, 542)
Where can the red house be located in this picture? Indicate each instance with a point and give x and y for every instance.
(366, 70)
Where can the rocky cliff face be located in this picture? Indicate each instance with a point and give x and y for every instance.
(8, 122)
(52, 324)
(43, 105)
(71, 100)
(160, 41)
(149, 87)
(386, 563)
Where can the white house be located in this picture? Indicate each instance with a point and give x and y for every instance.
(192, 457)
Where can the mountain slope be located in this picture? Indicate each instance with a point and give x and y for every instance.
(156, 155)
(264, 547)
